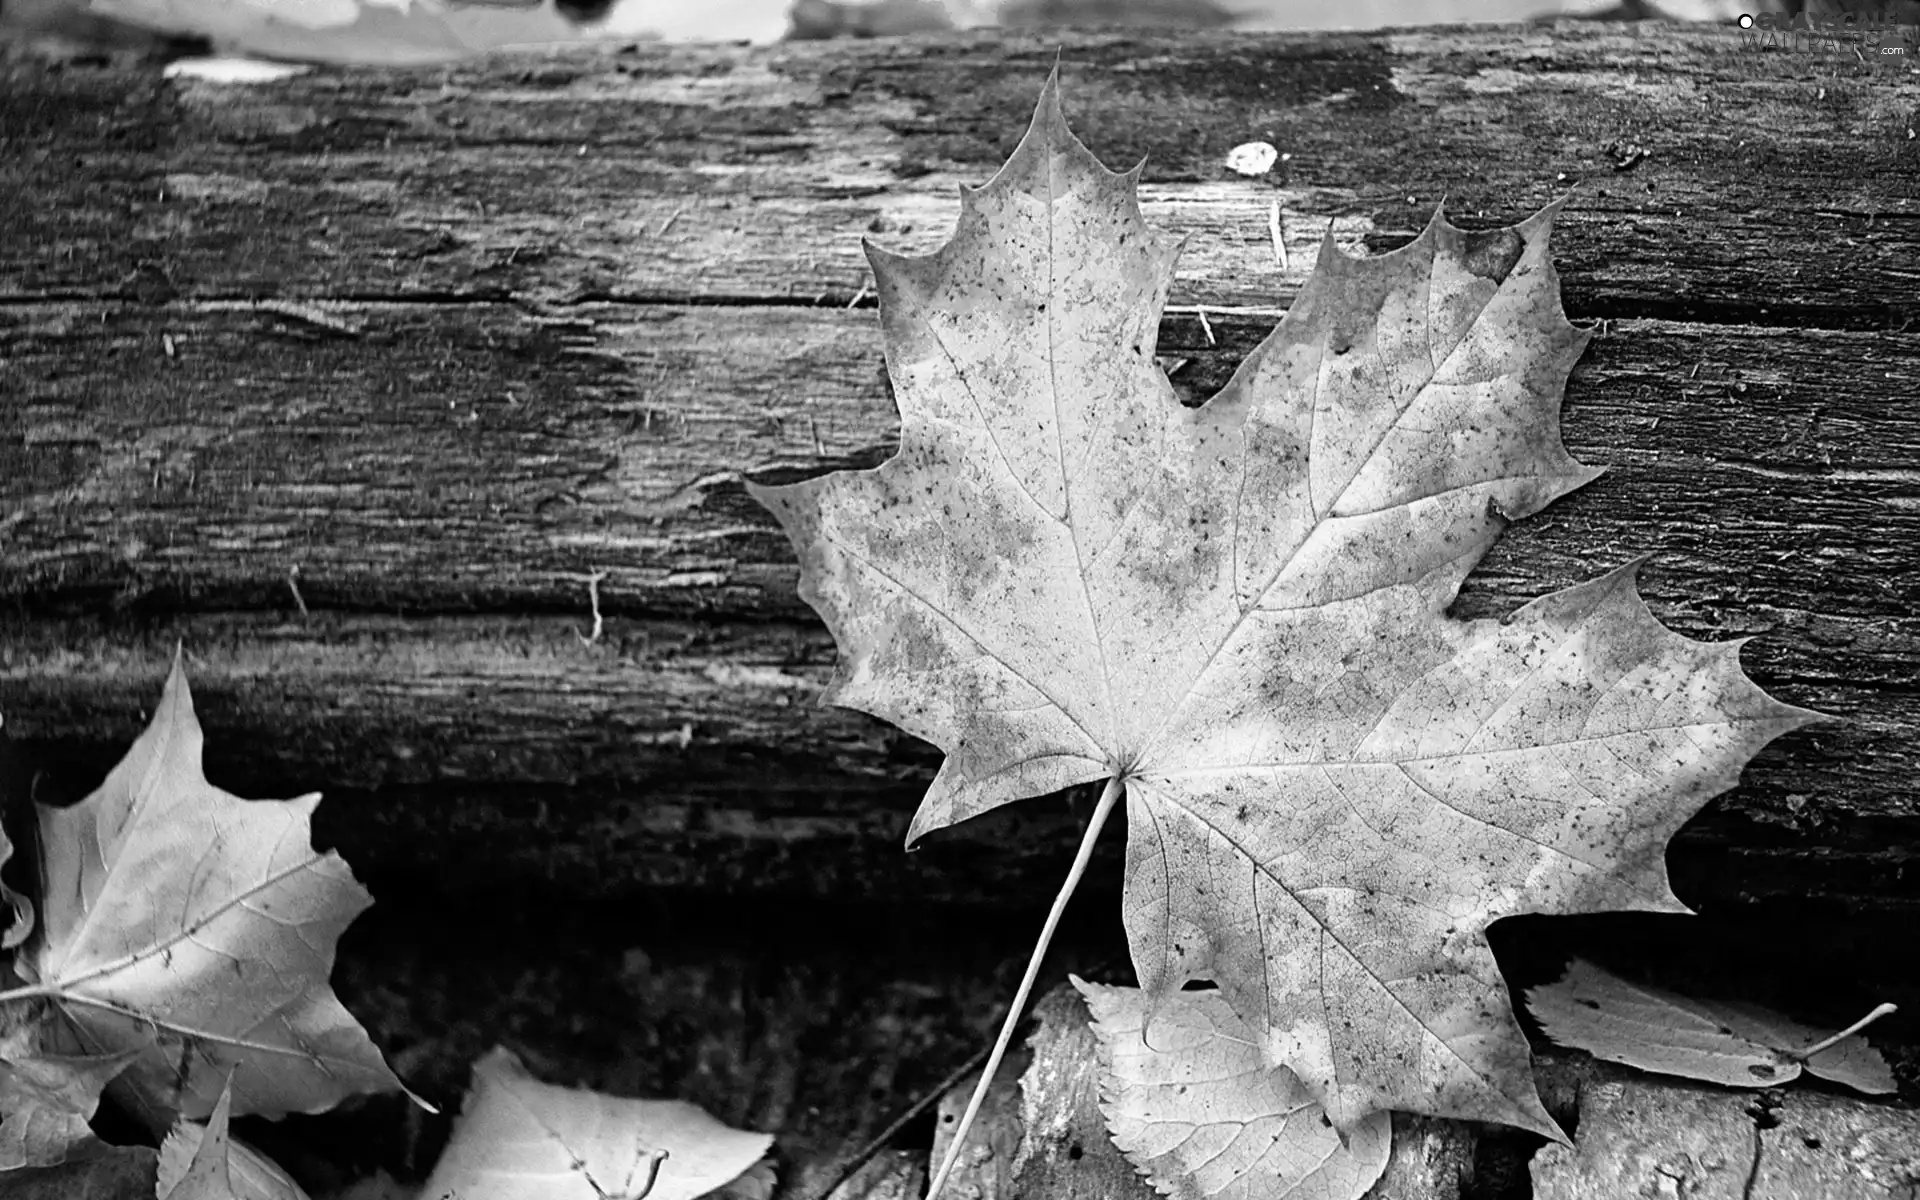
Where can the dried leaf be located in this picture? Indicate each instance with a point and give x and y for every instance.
(1737, 1045)
(248, 1174)
(1197, 1111)
(1240, 611)
(20, 909)
(47, 1100)
(205, 1174)
(518, 1137)
(385, 32)
(12, 781)
(199, 929)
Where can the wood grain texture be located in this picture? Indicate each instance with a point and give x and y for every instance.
(353, 384)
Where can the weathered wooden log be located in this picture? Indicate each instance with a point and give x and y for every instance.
(354, 382)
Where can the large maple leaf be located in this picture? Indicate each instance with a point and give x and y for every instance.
(194, 931)
(1239, 611)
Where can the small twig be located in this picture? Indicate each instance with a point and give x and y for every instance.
(1201, 312)
(1279, 238)
(668, 223)
(593, 598)
(293, 585)
(1849, 1031)
(878, 1141)
(1079, 868)
(858, 296)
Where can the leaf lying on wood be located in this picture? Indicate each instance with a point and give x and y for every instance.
(197, 929)
(211, 1152)
(518, 1137)
(1738, 1045)
(1239, 613)
(1202, 1116)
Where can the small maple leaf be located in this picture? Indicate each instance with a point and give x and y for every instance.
(1239, 612)
(197, 929)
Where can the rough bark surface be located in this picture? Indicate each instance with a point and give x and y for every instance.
(1642, 1136)
(354, 381)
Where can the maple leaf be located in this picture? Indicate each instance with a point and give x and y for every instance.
(1203, 1117)
(1736, 1045)
(198, 929)
(517, 1137)
(1238, 613)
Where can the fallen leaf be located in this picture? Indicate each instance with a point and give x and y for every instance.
(47, 1100)
(1239, 612)
(517, 1137)
(247, 1173)
(1738, 1045)
(205, 1173)
(1204, 1117)
(397, 33)
(12, 792)
(198, 929)
(20, 909)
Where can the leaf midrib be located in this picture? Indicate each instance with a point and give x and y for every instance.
(70, 986)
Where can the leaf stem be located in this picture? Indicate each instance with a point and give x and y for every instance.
(1079, 868)
(37, 991)
(1880, 1011)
